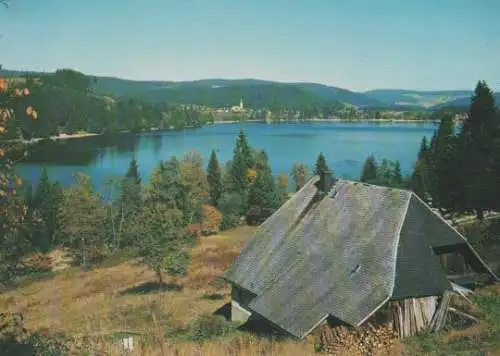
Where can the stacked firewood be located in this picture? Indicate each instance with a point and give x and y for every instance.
(353, 342)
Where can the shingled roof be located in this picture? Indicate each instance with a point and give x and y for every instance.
(344, 254)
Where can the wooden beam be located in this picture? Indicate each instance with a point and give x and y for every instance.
(461, 313)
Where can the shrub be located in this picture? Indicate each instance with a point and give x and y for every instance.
(208, 326)
(43, 345)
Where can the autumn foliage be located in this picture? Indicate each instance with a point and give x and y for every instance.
(251, 175)
(211, 219)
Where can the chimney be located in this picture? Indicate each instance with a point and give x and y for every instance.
(326, 181)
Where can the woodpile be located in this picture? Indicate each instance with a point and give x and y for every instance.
(413, 315)
(369, 340)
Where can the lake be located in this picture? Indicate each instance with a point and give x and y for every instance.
(345, 145)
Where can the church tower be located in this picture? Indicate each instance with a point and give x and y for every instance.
(241, 103)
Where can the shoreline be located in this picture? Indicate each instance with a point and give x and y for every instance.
(64, 136)
(327, 120)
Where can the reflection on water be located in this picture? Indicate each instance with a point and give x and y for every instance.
(82, 151)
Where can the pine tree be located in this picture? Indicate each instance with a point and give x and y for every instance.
(214, 177)
(418, 180)
(397, 176)
(43, 212)
(133, 171)
(495, 166)
(423, 148)
(263, 198)
(476, 143)
(241, 163)
(130, 196)
(321, 165)
(445, 186)
(369, 173)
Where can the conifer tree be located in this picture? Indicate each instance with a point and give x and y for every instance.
(133, 171)
(321, 165)
(263, 198)
(369, 173)
(397, 176)
(418, 179)
(445, 186)
(130, 196)
(43, 212)
(241, 163)
(476, 142)
(423, 148)
(214, 177)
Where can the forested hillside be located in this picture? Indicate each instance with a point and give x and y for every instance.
(68, 105)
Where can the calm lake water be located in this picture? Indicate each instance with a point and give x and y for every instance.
(345, 145)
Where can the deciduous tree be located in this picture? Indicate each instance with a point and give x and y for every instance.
(194, 181)
(300, 175)
(82, 217)
(211, 219)
(160, 241)
(166, 187)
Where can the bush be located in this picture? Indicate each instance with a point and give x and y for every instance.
(208, 326)
(44, 345)
(229, 221)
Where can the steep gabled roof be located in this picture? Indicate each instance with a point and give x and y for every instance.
(259, 260)
(341, 255)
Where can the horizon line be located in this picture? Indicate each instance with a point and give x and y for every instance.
(108, 76)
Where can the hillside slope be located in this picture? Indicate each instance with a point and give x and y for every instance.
(425, 99)
(463, 102)
(224, 92)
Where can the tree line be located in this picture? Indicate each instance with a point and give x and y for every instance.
(458, 169)
(158, 220)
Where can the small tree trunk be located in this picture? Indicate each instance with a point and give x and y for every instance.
(160, 277)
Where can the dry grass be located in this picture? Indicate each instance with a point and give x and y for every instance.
(92, 303)
(88, 306)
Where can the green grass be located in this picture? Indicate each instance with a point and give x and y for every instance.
(477, 340)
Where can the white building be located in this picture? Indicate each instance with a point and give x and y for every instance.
(238, 108)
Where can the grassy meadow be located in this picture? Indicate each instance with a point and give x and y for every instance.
(90, 311)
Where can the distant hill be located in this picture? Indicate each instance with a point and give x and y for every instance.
(227, 92)
(263, 93)
(330, 93)
(463, 102)
(425, 99)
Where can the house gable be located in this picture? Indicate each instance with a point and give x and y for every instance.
(418, 270)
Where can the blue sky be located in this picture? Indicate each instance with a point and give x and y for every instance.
(353, 44)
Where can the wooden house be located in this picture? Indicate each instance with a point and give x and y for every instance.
(345, 252)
